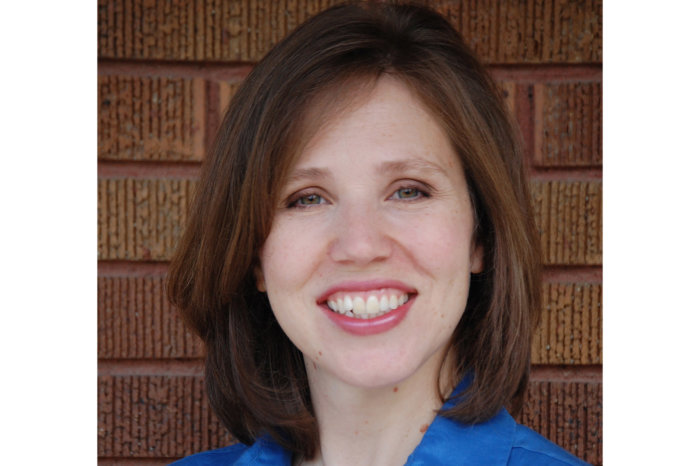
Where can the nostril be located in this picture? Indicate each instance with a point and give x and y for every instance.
(360, 247)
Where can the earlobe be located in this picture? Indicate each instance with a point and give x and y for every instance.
(476, 259)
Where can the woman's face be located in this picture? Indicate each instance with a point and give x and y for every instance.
(368, 261)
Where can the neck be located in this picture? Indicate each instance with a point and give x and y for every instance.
(378, 425)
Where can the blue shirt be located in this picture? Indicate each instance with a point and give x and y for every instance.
(498, 441)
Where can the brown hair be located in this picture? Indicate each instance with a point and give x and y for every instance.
(255, 376)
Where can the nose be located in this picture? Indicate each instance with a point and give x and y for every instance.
(360, 235)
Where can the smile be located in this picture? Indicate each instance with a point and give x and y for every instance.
(367, 308)
(366, 305)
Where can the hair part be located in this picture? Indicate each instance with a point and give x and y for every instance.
(255, 376)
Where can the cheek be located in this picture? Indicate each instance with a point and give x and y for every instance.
(288, 255)
(440, 242)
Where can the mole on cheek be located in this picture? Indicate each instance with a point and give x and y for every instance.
(396, 389)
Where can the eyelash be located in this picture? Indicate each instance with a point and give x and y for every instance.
(294, 201)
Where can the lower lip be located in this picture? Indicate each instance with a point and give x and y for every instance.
(383, 323)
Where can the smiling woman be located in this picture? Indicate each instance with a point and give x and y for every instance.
(373, 232)
(361, 261)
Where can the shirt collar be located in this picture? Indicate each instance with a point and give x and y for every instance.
(450, 442)
(266, 452)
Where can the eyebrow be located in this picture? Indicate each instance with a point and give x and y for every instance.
(391, 167)
(417, 164)
(309, 173)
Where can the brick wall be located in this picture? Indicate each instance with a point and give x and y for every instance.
(167, 69)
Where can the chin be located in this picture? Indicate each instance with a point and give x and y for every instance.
(385, 372)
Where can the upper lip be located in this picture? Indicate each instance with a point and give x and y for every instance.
(365, 285)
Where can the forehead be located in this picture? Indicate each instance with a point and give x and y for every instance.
(386, 119)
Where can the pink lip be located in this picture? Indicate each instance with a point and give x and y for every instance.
(373, 326)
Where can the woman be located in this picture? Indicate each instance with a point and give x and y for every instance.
(361, 261)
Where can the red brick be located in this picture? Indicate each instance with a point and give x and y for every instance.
(568, 125)
(570, 331)
(151, 118)
(141, 219)
(198, 29)
(135, 321)
(568, 215)
(568, 413)
(227, 90)
(508, 89)
(544, 31)
(156, 417)
(532, 31)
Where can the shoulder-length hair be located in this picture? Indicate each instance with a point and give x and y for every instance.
(255, 376)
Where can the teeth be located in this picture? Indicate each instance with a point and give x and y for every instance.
(384, 304)
(358, 306)
(373, 307)
(393, 302)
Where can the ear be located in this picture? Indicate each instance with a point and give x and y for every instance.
(476, 258)
(259, 279)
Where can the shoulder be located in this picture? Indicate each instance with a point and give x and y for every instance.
(225, 455)
(529, 448)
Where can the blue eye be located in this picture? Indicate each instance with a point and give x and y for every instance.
(306, 200)
(409, 193)
(311, 199)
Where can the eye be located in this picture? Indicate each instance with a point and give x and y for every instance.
(409, 193)
(305, 200)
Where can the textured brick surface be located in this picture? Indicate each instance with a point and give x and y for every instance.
(569, 217)
(227, 90)
(569, 414)
(141, 219)
(513, 31)
(568, 125)
(168, 416)
(155, 416)
(508, 93)
(570, 331)
(135, 321)
(528, 31)
(151, 118)
(198, 29)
